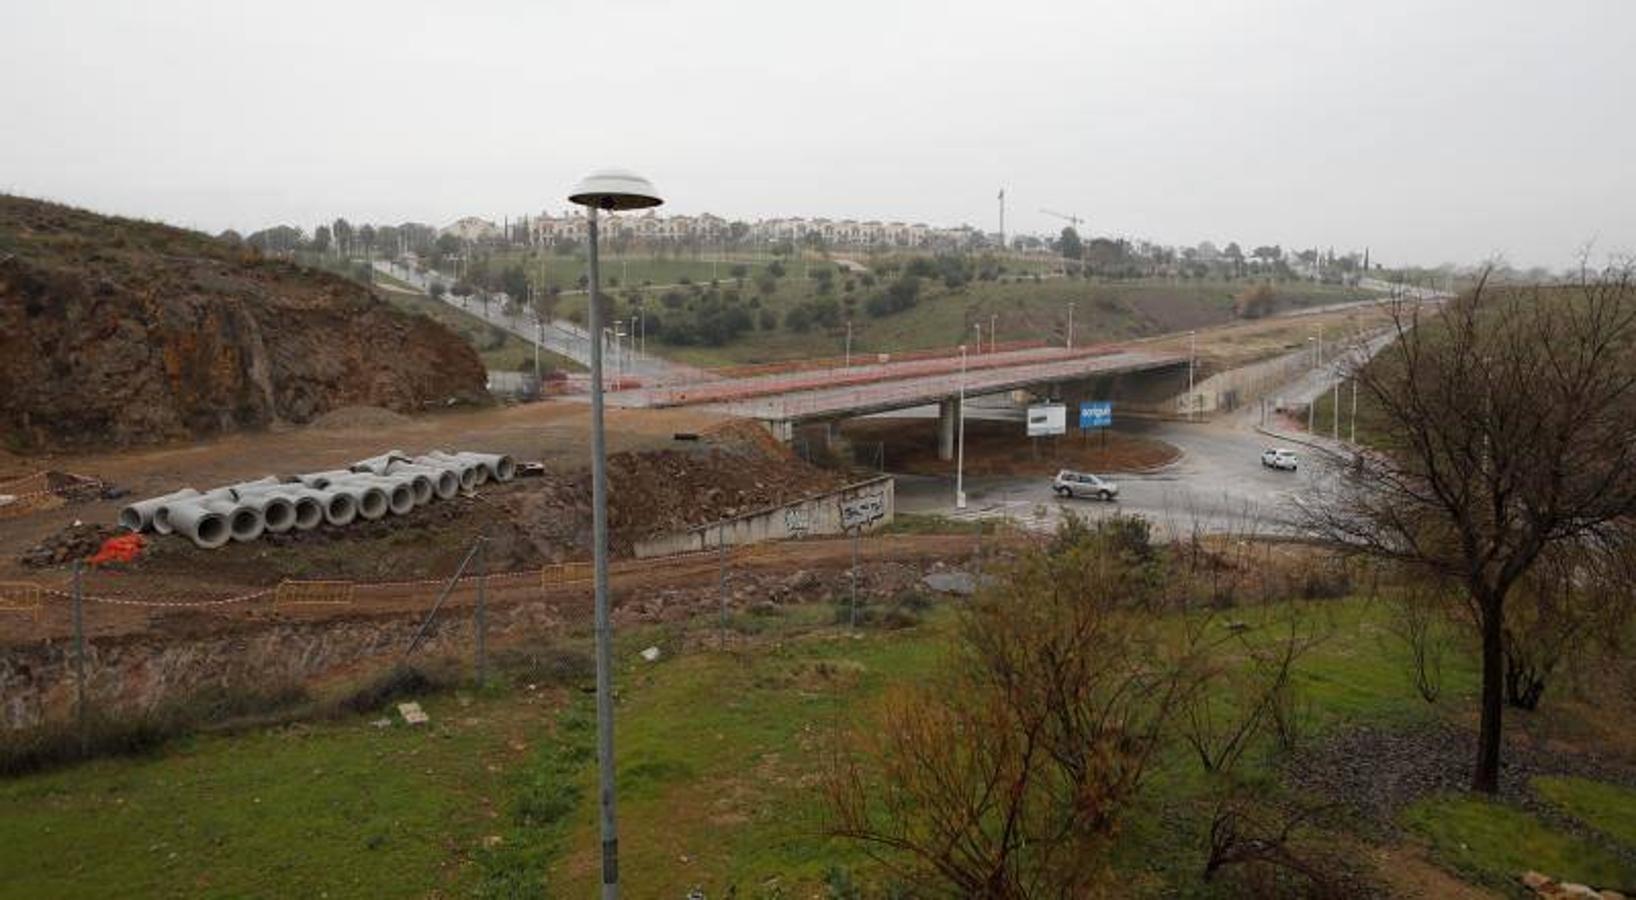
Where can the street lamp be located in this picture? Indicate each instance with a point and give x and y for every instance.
(609, 189)
(960, 443)
(848, 344)
(992, 320)
(1192, 357)
(1070, 324)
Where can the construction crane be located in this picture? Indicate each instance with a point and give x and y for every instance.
(1072, 220)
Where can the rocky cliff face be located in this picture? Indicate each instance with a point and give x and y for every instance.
(117, 332)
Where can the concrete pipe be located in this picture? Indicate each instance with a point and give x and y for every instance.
(445, 482)
(379, 465)
(400, 492)
(370, 500)
(309, 509)
(140, 516)
(276, 508)
(259, 483)
(320, 480)
(206, 527)
(244, 522)
(465, 473)
(337, 507)
(499, 466)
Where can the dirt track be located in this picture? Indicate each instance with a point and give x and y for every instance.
(566, 602)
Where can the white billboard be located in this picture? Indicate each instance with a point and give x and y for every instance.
(1047, 419)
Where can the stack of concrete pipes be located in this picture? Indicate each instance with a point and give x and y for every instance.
(392, 483)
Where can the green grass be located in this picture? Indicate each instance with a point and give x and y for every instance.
(717, 756)
(344, 809)
(1608, 808)
(1022, 309)
(1496, 843)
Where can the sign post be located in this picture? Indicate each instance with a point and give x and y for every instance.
(1097, 415)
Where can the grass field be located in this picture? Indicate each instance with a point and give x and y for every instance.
(1018, 311)
(1017, 308)
(718, 755)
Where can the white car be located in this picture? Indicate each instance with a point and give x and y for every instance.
(1278, 458)
(1083, 484)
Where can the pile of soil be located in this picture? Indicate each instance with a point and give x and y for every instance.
(77, 541)
(117, 332)
(529, 522)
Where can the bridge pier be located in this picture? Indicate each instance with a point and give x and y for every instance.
(948, 417)
(782, 429)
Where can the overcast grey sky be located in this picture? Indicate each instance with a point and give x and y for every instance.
(1428, 131)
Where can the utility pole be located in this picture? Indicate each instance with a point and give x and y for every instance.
(1002, 226)
(960, 444)
(1335, 420)
(1354, 438)
(1192, 357)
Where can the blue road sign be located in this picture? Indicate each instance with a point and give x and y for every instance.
(1096, 414)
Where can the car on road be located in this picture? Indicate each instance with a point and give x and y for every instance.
(1278, 458)
(1083, 484)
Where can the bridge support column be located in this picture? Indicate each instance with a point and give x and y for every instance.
(948, 417)
(782, 429)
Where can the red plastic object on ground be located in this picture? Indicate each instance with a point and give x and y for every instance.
(121, 549)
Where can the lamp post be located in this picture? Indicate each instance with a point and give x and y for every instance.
(992, 319)
(609, 189)
(1192, 357)
(960, 441)
(1070, 324)
(848, 344)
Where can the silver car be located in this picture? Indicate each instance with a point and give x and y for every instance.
(1083, 484)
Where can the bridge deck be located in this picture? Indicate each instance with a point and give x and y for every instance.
(899, 389)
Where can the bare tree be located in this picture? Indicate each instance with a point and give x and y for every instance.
(1007, 776)
(1511, 423)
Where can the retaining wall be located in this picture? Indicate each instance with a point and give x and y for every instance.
(865, 506)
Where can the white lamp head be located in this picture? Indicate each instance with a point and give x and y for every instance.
(615, 189)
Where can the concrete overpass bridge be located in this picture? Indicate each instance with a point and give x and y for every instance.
(786, 401)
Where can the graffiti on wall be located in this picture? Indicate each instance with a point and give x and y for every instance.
(857, 512)
(797, 521)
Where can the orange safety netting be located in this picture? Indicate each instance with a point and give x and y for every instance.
(121, 549)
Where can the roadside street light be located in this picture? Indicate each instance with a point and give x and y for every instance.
(960, 442)
(992, 319)
(1070, 324)
(848, 344)
(1192, 363)
(609, 189)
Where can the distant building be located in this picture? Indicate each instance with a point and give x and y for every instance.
(472, 228)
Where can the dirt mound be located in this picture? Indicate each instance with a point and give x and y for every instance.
(77, 541)
(116, 332)
(528, 522)
(358, 418)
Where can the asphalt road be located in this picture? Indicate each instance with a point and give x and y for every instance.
(1217, 486)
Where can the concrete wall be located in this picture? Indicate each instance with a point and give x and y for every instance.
(1236, 388)
(867, 505)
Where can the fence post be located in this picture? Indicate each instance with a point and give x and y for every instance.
(426, 625)
(79, 652)
(482, 610)
(721, 554)
(854, 614)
